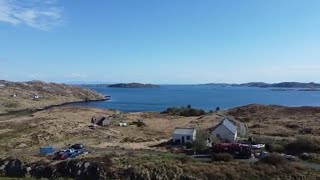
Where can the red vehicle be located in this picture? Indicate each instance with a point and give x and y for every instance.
(236, 149)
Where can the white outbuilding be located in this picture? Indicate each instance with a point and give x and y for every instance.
(225, 131)
(184, 135)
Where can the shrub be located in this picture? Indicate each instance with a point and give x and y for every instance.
(305, 156)
(139, 123)
(275, 148)
(312, 157)
(292, 126)
(306, 131)
(222, 157)
(303, 144)
(273, 159)
(185, 159)
(200, 142)
(184, 111)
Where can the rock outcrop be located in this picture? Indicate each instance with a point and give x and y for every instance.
(12, 168)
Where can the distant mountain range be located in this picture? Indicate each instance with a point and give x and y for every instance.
(310, 85)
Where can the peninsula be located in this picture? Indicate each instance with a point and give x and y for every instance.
(33, 95)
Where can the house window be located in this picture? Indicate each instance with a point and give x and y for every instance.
(218, 135)
(188, 138)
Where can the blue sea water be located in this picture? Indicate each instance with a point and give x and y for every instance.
(205, 97)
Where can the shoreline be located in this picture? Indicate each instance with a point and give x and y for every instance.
(28, 111)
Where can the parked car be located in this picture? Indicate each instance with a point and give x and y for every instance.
(289, 157)
(261, 154)
(258, 146)
(63, 154)
(77, 146)
(76, 153)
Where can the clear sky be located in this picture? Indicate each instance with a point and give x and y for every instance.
(160, 41)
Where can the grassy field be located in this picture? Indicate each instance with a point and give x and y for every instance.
(22, 135)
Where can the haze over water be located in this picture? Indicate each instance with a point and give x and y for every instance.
(205, 97)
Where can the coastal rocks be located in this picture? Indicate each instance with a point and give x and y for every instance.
(42, 171)
(68, 169)
(80, 170)
(12, 168)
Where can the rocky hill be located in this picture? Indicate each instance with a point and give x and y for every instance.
(15, 96)
(132, 85)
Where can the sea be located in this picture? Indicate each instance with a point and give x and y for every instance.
(205, 97)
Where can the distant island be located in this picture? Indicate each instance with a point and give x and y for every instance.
(310, 85)
(132, 85)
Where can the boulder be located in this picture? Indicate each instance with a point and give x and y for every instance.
(42, 171)
(80, 170)
(12, 168)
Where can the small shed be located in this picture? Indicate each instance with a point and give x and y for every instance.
(225, 131)
(100, 121)
(184, 135)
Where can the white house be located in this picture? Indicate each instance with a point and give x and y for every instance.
(184, 135)
(225, 131)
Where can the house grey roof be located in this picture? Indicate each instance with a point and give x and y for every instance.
(228, 124)
(184, 131)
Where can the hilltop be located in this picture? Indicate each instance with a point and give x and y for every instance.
(16, 96)
(132, 85)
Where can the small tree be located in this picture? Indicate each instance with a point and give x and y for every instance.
(217, 109)
(200, 142)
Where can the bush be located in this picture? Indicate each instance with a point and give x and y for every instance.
(139, 123)
(184, 111)
(303, 144)
(275, 148)
(306, 131)
(273, 159)
(312, 157)
(222, 157)
(200, 142)
(292, 126)
(185, 159)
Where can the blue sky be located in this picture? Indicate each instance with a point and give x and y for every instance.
(166, 42)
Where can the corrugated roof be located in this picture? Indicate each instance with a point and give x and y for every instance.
(228, 124)
(186, 131)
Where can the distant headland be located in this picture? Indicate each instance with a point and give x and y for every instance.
(132, 85)
(310, 85)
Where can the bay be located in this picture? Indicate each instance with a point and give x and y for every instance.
(198, 96)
